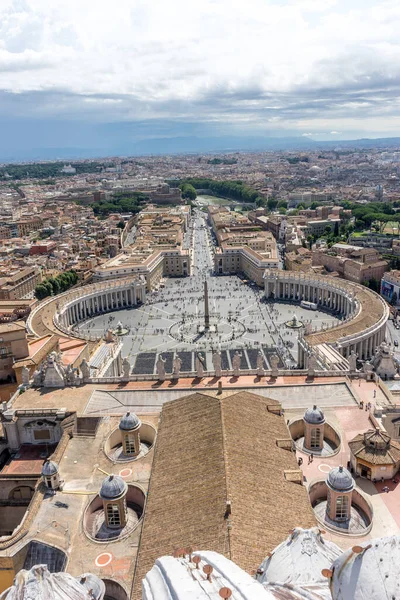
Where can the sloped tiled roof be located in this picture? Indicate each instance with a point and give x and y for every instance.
(362, 447)
(209, 451)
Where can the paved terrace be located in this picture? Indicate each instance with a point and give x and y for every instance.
(293, 391)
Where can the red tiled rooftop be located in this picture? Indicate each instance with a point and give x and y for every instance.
(28, 460)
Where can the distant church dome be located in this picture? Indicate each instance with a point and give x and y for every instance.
(129, 421)
(340, 480)
(49, 468)
(314, 415)
(112, 487)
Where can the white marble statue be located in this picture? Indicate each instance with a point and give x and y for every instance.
(353, 361)
(367, 367)
(200, 363)
(126, 368)
(69, 375)
(312, 365)
(25, 375)
(54, 376)
(236, 361)
(274, 360)
(260, 364)
(160, 366)
(37, 377)
(176, 367)
(109, 337)
(85, 369)
(217, 363)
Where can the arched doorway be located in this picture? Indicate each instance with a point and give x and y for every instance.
(114, 591)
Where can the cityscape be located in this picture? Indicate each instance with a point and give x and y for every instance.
(199, 302)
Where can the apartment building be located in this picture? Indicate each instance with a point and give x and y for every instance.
(244, 247)
(351, 262)
(13, 346)
(20, 284)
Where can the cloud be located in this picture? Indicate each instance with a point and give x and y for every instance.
(327, 66)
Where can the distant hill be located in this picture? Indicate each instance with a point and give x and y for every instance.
(192, 145)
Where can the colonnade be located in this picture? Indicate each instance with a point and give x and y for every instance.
(341, 297)
(318, 292)
(103, 298)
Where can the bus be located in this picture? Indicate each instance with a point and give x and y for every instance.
(309, 305)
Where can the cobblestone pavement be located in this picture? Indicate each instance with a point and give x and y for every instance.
(237, 306)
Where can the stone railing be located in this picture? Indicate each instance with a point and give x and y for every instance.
(27, 521)
(211, 374)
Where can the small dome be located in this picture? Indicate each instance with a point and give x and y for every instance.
(49, 468)
(299, 560)
(340, 480)
(314, 415)
(112, 487)
(129, 421)
(372, 573)
(38, 582)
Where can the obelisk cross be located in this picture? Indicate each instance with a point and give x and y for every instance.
(206, 309)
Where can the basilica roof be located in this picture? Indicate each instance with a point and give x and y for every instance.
(221, 481)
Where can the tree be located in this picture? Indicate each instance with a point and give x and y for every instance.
(272, 203)
(55, 285)
(188, 191)
(41, 291)
(121, 225)
(336, 229)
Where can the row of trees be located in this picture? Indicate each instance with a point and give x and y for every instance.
(222, 161)
(188, 191)
(56, 285)
(45, 171)
(125, 202)
(235, 190)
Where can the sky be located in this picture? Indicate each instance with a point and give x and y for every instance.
(99, 75)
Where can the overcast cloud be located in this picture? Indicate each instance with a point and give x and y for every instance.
(330, 68)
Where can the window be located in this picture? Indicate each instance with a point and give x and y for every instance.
(41, 434)
(129, 443)
(113, 516)
(342, 504)
(315, 438)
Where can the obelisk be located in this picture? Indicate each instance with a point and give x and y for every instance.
(206, 309)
